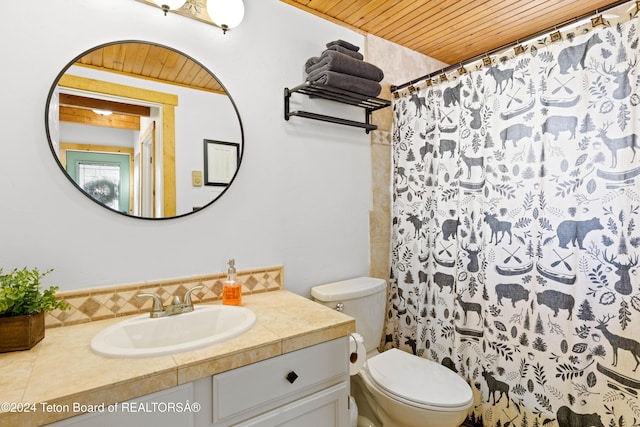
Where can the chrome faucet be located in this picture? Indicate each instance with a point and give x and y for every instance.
(177, 305)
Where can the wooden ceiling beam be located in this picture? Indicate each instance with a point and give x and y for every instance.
(88, 117)
(68, 100)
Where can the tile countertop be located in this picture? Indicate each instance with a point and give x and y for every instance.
(62, 369)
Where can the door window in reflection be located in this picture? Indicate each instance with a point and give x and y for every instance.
(103, 176)
(101, 181)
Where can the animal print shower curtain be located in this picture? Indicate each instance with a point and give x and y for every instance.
(516, 229)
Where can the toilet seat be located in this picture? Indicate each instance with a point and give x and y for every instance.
(418, 382)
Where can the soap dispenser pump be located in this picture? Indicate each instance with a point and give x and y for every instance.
(231, 288)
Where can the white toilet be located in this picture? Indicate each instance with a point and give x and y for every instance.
(398, 388)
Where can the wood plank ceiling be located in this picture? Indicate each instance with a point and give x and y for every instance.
(139, 60)
(450, 31)
(152, 62)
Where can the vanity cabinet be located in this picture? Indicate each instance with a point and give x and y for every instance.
(304, 387)
(150, 410)
(307, 387)
(325, 408)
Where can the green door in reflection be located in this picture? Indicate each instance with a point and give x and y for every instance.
(104, 176)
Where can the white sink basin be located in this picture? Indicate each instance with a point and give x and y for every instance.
(142, 336)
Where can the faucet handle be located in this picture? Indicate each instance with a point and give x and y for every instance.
(157, 309)
(187, 295)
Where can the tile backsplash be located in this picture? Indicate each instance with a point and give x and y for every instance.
(114, 301)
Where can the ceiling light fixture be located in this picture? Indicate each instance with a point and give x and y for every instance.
(226, 14)
(167, 5)
(103, 113)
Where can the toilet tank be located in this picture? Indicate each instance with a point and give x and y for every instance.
(363, 298)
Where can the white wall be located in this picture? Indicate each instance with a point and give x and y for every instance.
(302, 194)
(82, 134)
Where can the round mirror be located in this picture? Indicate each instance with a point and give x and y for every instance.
(144, 130)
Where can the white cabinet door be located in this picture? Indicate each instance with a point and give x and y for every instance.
(161, 409)
(327, 408)
(246, 392)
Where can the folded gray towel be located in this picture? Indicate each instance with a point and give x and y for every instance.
(341, 63)
(344, 44)
(347, 82)
(311, 62)
(351, 53)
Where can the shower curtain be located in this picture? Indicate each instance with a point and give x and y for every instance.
(516, 229)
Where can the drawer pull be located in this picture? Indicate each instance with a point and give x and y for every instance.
(292, 377)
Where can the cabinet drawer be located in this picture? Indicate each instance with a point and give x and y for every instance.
(262, 386)
(327, 408)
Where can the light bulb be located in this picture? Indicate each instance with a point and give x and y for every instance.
(102, 113)
(226, 13)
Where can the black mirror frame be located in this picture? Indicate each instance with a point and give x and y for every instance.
(75, 184)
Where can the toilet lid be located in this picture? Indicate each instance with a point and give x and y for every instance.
(418, 380)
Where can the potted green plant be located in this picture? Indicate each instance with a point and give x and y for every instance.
(23, 303)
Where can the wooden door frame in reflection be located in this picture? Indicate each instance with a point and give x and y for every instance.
(168, 103)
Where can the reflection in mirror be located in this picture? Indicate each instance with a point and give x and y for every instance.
(126, 122)
(220, 162)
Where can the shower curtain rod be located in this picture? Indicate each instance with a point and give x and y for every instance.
(510, 45)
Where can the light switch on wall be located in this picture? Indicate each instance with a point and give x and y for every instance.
(196, 178)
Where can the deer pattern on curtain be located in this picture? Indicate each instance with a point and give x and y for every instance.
(516, 230)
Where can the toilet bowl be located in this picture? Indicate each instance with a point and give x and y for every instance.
(395, 388)
(410, 391)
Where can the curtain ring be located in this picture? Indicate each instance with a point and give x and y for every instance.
(597, 20)
(556, 36)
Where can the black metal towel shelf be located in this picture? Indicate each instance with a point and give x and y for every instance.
(318, 90)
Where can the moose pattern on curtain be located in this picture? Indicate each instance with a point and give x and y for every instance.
(516, 230)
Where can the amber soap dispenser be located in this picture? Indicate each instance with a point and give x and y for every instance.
(231, 288)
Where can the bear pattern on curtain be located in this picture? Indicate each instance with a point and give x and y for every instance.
(516, 230)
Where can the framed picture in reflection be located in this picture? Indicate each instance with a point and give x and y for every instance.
(220, 162)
